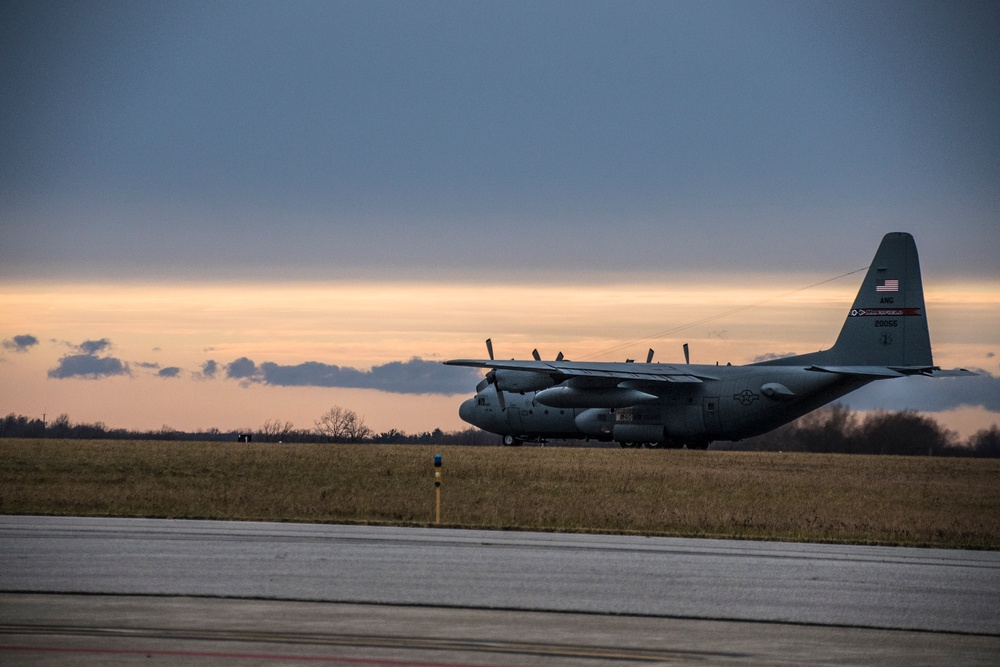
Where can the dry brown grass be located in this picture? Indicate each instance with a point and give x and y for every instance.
(807, 497)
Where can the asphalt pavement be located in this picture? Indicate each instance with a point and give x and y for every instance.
(545, 597)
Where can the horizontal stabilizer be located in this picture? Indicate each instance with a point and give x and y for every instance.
(891, 372)
(950, 373)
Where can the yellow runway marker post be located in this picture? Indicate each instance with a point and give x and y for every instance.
(437, 486)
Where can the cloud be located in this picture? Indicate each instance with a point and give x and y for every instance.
(243, 369)
(20, 343)
(87, 364)
(89, 367)
(416, 376)
(209, 369)
(929, 394)
(147, 364)
(93, 346)
(169, 372)
(771, 356)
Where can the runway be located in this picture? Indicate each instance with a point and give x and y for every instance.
(666, 600)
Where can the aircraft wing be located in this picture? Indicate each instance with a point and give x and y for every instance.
(609, 371)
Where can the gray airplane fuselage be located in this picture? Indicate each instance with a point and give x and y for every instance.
(742, 402)
(884, 335)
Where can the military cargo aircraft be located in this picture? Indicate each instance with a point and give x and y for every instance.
(649, 404)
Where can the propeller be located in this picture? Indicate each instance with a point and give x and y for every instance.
(491, 377)
(687, 356)
(649, 356)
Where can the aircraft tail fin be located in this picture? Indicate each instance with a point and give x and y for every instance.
(887, 325)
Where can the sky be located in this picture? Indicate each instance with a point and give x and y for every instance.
(219, 213)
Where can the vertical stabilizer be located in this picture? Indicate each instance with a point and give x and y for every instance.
(887, 325)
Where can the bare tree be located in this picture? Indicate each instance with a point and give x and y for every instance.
(275, 430)
(341, 425)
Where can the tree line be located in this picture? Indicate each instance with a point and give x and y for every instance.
(832, 429)
(337, 425)
(837, 429)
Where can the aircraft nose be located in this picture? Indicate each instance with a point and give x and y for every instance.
(467, 410)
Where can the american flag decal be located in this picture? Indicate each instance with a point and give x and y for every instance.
(888, 285)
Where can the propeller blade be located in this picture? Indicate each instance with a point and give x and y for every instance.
(534, 353)
(559, 357)
(687, 356)
(649, 356)
(503, 403)
(489, 347)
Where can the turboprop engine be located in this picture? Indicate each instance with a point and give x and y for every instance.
(520, 381)
(517, 381)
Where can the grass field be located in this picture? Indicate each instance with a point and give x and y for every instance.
(806, 497)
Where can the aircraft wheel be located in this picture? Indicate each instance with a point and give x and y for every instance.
(626, 445)
(511, 441)
(696, 445)
(654, 445)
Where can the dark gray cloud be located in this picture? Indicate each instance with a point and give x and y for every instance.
(651, 133)
(147, 364)
(209, 368)
(87, 364)
(20, 343)
(94, 346)
(929, 394)
(416, 376)
(169, 372)
(89, 367)
(243, 369)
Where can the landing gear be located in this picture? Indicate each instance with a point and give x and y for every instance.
(510, 441)
(640, 445)
(652, 445)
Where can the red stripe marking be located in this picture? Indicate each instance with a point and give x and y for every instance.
(885, 312)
